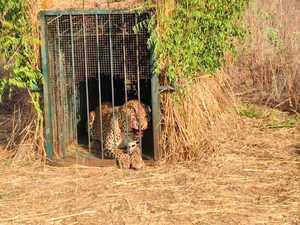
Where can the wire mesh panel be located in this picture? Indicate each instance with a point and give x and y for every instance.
(90, 58)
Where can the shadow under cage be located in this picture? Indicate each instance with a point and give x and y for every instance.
(91, 57)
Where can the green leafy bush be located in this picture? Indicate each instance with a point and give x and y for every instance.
(196, 36)
(16, 45)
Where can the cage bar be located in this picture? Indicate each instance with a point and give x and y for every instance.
(99, 85)
(125, 79)
(74, 118)
(138, 80)
(86, 82)
(112, 77)
(60, 82)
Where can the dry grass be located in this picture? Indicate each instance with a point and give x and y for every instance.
(189, 122)
(271, 73)
(254, 179)
(21, 131)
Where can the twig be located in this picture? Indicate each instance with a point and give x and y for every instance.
(77, 214)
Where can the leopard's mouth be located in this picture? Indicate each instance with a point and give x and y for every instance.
(137, 132)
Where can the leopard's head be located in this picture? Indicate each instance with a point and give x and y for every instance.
(139, 115)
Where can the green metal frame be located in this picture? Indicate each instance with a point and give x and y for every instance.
(84, 12)
(46, 88)
(47, 99)
(155, 108)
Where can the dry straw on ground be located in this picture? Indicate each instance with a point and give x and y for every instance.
(254, 179)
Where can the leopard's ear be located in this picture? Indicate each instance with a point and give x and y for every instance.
(148, 109)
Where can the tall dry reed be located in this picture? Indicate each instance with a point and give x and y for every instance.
(271, 73)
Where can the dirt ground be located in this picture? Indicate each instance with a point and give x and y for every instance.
(254, 178)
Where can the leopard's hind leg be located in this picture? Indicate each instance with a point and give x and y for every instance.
(95, 143)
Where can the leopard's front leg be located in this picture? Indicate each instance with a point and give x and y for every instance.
(136, 160)
(122, 159)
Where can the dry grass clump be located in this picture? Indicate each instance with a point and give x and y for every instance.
(21, 126)
(271, 73)
(188, 122)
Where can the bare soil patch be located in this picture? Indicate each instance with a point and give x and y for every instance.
(254, 178)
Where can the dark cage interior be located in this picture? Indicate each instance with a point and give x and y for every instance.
(93, 58)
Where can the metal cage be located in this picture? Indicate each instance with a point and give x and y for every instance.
(89, 57)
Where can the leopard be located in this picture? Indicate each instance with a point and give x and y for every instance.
(115, 131)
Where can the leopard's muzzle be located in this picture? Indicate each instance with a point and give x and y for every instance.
(137, 132)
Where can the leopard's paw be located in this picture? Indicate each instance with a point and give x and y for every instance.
(123, 160)
(136, 161)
